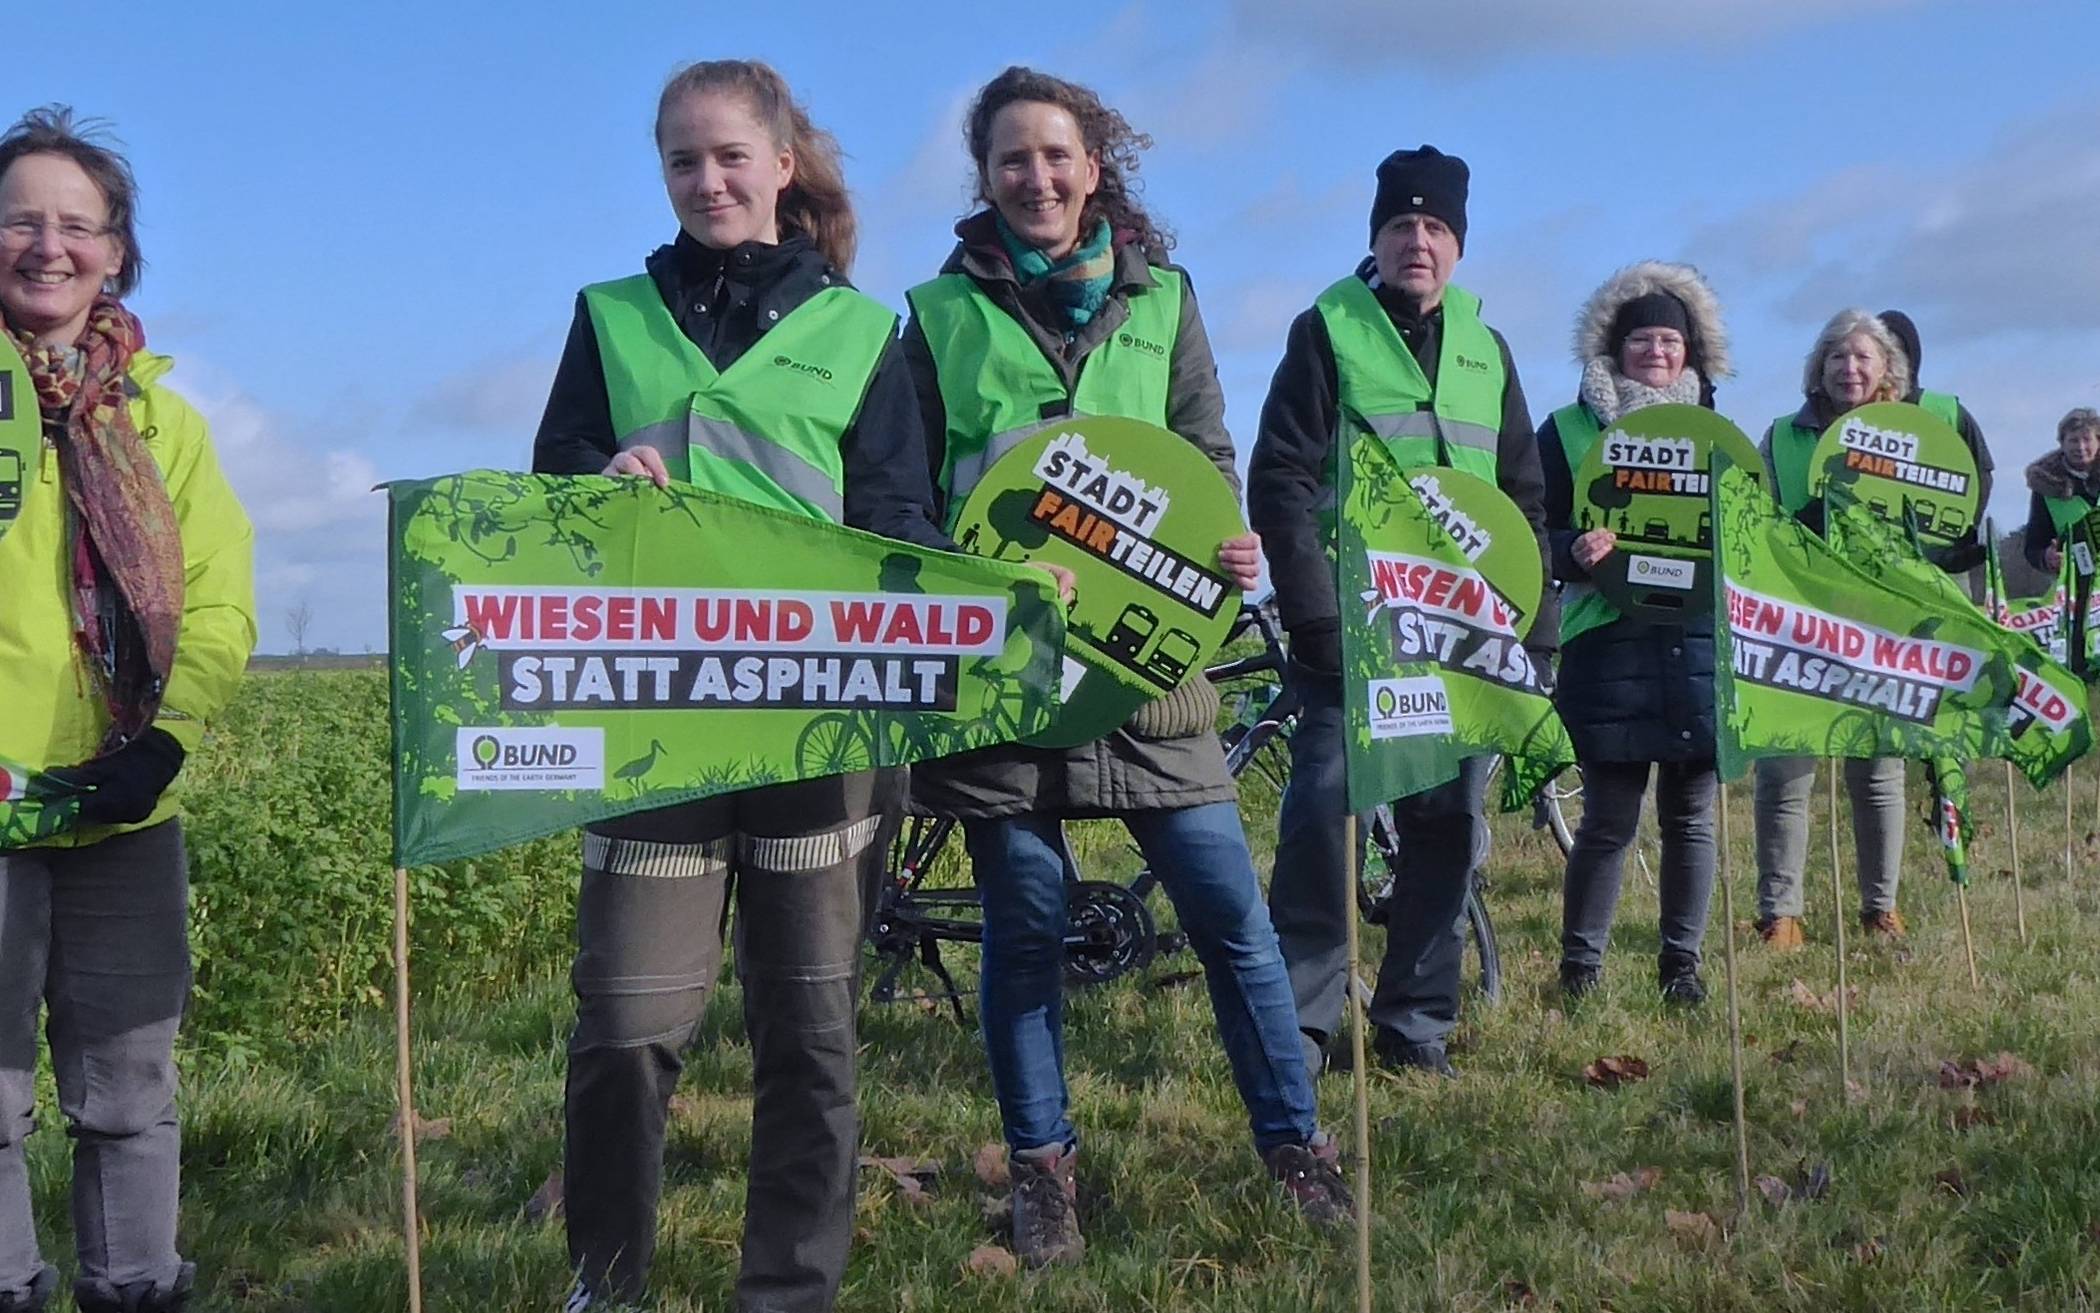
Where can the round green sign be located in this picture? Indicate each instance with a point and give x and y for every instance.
(21, 434)
(1488, 530)
(1891, 452)
(1647, 479)
(1136, 513)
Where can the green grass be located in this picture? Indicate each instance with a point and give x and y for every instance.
(291, 1193)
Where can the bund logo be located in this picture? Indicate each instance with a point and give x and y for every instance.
(486, 750)
(1467, 362)
(1136, 343)
(808, 371)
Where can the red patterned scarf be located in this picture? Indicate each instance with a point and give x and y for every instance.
(124, 541)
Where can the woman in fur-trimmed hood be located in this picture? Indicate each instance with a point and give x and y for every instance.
(1634, 693)
(2065, 485)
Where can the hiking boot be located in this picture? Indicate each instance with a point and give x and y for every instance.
(581, 1299)
(36, 1297)
(1579, 981)
(1046, 1210)
(1311, 1174)
(99, 1296)
(1781, 933)
(1678, 976)
(1393, 1051)
(1888, 923)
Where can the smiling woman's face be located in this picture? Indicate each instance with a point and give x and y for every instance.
(722, 170)
(56, 251)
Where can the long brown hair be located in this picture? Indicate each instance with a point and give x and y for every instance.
(1108, 137)
(815, 203)
(52, 130)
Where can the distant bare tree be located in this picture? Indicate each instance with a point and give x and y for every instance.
(297, 620)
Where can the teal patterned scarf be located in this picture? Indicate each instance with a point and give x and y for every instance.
(1077, 285)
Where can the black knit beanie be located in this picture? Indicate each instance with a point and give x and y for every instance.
(1905, 333)
(1423, 181)
(1651, 310)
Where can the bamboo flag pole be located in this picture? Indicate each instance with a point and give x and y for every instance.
(1968, 940)
(1735, 1016)
(2068, 791)
(1837, 906)
(2012, 840)
(1357, 1022)
(411, 1226)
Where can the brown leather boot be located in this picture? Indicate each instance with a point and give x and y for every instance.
(1046, 1210)
(1887, 923)
(1781, 933)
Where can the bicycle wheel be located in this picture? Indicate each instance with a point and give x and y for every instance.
(1558, 808)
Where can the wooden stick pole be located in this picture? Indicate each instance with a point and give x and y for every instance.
(1837, 906)
(2068, 791)
(410, 1223)
(1968, 940)
(1735, 1016)
(2012, 841)
(1358, 1064)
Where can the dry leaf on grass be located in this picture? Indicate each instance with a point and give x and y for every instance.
(1518, 1294)
(1809, 1183)
(1609, 1073)
(1868, 1251)
(991, 1261)
(1982, 1071)
(1952, 1181)
(913, 1177)
(1785, 1053)
(1773, 1189)
(989, 1163)
(1799, 1108)
(1622, 1185)
(1969, 1115)
(1804, 997)
(545, 1204)
(1692, 1229)
(427, 1128)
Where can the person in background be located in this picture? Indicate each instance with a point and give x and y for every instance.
(1393, 348)
(1058, 300)
(1635, 693)
(127, 621)
(2065, 485)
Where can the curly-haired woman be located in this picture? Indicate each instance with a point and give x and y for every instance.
(1036, 316)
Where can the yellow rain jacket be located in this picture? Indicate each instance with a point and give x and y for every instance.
(50, 713)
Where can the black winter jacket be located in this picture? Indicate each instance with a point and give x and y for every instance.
(1632, 690)
(2051, 476)
(1293, 458)
(726, 301)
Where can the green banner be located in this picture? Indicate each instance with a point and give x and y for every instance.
(1950, 805)
(1856, 647)
(567, 649)
(1889, 453)
(1439, 579)
(1136, 513)
(1647, 480)
(21, 433)
(34, 806)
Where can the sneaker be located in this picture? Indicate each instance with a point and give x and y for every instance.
(1311, 1174)
(1578, 981)
(33, 1298)
(1678, 976)
(1781, 933)
(1046, 1208)
(1888, 923)
(96, 1295)
(1394, 1051)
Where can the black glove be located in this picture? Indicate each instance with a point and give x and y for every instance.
(127, 783)
(1316, 647)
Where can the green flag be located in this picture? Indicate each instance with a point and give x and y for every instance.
(1439, 580)
(568, 649)
(1843, 653)
(1950, 819)
(34, 806)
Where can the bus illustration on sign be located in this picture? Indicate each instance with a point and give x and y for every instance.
(1133, 629)
(1171, 658)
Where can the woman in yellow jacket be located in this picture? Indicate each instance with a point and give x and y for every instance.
(129, 616)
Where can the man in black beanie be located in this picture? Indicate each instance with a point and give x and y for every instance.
(1396, 347)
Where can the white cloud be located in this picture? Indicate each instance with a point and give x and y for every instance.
(1402, 37)
(503, 394)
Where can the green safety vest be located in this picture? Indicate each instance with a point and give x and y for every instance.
(999, 389)
(767, 429)
(1582, 607)
(1382, 388)
(2066, 512)
(1792, 446)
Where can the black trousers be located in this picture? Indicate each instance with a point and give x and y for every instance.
(797, 859)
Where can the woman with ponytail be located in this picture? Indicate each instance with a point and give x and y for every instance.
(765, 237)
(127, 614)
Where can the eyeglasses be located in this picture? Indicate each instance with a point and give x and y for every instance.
(27, 232)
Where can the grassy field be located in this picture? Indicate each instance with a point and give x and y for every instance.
(1520, 1186)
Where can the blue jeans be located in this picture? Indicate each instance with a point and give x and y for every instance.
(1200, 855)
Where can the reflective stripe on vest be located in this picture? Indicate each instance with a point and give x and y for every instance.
(767, 429)
(999, 389)
(1382, 389)
(1792, 446)
(1582, 607)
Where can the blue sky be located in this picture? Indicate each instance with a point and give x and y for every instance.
(366, 225)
